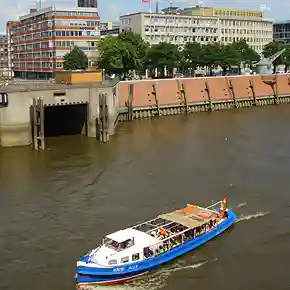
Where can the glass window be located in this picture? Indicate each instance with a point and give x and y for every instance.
(136, 257)
(112, 262)
(125, 260)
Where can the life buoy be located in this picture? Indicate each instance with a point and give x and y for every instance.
(204, 214)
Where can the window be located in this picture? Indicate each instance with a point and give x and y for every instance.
(148, 252)
(125, 260)
(112, 262)
(136, 257)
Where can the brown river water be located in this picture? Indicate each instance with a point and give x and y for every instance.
(57, 204)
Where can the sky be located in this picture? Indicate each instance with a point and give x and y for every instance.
(110, 10)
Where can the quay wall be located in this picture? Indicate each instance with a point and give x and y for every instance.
(16, 119)
(127, 100)
(147, 98)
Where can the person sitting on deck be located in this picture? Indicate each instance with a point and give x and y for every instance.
(208, 228)
(161, 250)
(162, 232)
(226, 215)
(222, 215)
(197, 231)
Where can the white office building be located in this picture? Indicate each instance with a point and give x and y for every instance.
(201, 24)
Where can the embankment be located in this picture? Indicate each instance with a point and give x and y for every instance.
(147, 98)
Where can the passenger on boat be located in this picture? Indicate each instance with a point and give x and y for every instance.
(223, 214)
(213, 223)
(208, 228)
(226, 215)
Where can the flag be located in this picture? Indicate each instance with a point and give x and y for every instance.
(224, 202)
(145, 1)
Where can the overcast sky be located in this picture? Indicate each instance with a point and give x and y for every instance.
(111, 9)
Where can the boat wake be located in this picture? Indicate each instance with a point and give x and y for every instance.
(242, 204)
(251, 216)
(152, 281)
(197, 265)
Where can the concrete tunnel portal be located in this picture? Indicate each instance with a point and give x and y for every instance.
(65, 120)
(68, 119)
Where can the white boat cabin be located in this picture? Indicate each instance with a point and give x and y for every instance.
(157, 236)
(122, 247)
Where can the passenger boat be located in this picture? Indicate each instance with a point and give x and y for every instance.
(129, 253)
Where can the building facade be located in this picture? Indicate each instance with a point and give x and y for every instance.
(202, 25)
(110, 28)
(88, 3)
(3, 54)
(38, 42)
(281, 32)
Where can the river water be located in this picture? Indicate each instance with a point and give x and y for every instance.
(56, 205)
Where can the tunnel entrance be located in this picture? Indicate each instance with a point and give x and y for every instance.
(65, 120)
(48, 121)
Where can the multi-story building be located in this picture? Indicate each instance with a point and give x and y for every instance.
(88, 3)
(281, 32)
(39, 40)
(201, 24)
(3, 54)
(110, 28)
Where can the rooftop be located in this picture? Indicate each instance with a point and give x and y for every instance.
(129, 233)
(26, 87)
(55, 8)
(184, 11)
(282, 22)
(191, 216)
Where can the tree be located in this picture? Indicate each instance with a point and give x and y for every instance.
(110, 57)
(190, 57)
(122, 54)
(76, 59)
(210, 55)
(229, 57)
(272, 48)
(286, 57)
(247, 55)
(163, 55)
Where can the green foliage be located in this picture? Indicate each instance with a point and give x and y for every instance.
(111, 53)
(272, 48)
(190, 56)
(286, 57)
(129, 52)
(76, 59)
(122, 54)
(163, 55)
(229, 56)
(246, 53)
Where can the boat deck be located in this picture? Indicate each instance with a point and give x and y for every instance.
(189, 217)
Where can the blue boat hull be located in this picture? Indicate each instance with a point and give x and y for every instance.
(120, 274)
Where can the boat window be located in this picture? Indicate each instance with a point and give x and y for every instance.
(148, 252)
(125, 259)
(136, 257)
(118, 246)
(112, 262)
(111, 244)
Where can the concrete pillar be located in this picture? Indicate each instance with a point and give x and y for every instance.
(15, 125)
(93, 116)
(93, 112)
(113, 106)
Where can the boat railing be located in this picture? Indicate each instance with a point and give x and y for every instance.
(181, 233)
(159, 226)
(145, 223)
(214, 206)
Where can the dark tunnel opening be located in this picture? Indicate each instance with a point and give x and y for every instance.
(65, 120)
